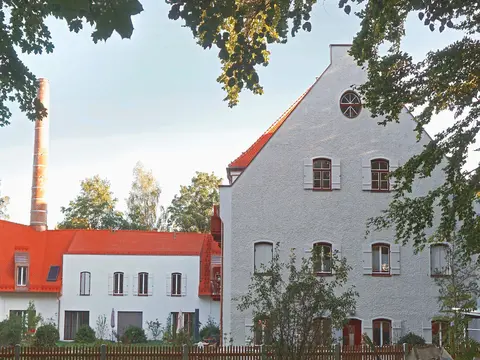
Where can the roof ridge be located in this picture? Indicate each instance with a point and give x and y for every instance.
(280, 120)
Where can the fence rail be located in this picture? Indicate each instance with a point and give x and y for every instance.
(393, 352)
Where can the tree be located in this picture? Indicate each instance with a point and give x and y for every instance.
(458, 293)
(93, 208)
(294, 309)
(4, 202)
(142, 202)
(24, 29)
(192, 209)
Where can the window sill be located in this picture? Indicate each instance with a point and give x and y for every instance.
(84, 294)
(176, 295)
(382, 274)
(319, 189)
(439, 275)
(323, 274)
(379, 191)
(119, 294)
(142, 295)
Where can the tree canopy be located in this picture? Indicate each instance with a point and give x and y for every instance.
(191, 210)
(4, 201)
(93, 208)
(142, 202)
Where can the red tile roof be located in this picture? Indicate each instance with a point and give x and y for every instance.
(246, 158)
(46, 248)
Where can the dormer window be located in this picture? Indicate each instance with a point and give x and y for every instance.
(22, 275)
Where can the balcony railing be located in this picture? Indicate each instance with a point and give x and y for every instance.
(216, 288)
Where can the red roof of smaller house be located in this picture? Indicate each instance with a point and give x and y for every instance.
(244, 160)
(130, 242)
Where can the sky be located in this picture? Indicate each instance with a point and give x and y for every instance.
(154, 98)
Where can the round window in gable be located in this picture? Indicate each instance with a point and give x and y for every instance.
(350, 104)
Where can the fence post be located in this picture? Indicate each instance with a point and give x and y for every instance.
(103, 352)
(262, 349)
(17, 352)
(336, 349)
(405, 350)
(184, 352)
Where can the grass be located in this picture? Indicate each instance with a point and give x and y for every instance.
(110, 343)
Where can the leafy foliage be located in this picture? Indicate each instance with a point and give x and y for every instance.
(85, 335)
(46, 336)
(411, 339)
(192, 209)
(11, 331)
(286, 305)
(101, 328)
(93, 208)
(143, 199)
(155, 328)
(134, 335)
(210, 329)
(31, 323)
(24, 29)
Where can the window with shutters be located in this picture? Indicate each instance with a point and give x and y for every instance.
(322, 174)
(350, 104)
(381, 259)
(176, 284)
(322, 258)
(439, 260)
(322, 331)
(85, 280)
(22, 276)
(118, 283)
(263, 256)
(143, 284)
(74, 320)
(380, 173)
(186, 322)
(382, 332)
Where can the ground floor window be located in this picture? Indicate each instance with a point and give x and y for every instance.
(352, 332)
(74, 320)
(439, 332)
(22, 315)
(188, 322)
(382, 332)
(322, 331)
(262, 333)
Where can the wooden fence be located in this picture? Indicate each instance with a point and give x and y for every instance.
(394, 352)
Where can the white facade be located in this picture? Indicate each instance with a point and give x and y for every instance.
(157, 304)
(272, 200)
(46, 304)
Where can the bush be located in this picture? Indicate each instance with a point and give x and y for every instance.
(46, 336)
(85, 335)
(411, 339)
(134, 335)
(11, 331)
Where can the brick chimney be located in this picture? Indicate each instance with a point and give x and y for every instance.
(38, 213)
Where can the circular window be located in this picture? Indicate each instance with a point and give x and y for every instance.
(350, 104)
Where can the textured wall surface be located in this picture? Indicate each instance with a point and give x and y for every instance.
(269, 202)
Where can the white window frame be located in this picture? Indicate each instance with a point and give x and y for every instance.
(382, 319)
(260, 242)
(439, 244)
(85, 283)
(120, 278)
(143, 279)
(329, 244)
(178, 284)
(382, 245)
(22, 276)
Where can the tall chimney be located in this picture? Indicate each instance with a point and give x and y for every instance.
(38, 213)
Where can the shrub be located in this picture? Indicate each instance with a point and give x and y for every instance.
(210, 329)
(85, 335)
(46, 336)
(11, 331)
(134, 335)
(411, 339)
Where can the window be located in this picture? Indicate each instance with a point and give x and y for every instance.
(350, 104)
(381, 258)
(22, 275)
(85, 278)
(176, 284)
(323, 264)
(188, 322)
(118, 283)
(23, 316)
(53, 273)
(263, 255)
(322, 174)
(440, 332)
(380, 171)
(439, 260)
(74, 320)
(143, 284)
(382, 332)
(262, 332)
(322, 331)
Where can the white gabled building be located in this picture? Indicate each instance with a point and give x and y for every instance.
(314, 178)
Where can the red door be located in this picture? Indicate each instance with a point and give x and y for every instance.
(352, 332)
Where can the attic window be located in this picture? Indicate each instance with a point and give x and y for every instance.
(53, 273)
(350, 104)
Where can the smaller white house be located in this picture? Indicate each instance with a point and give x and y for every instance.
(132, 277)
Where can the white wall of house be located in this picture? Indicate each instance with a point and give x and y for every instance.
(46, 304)
(268, 202)
(157, 305)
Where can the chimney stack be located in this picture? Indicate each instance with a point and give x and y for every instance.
(38, 213)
